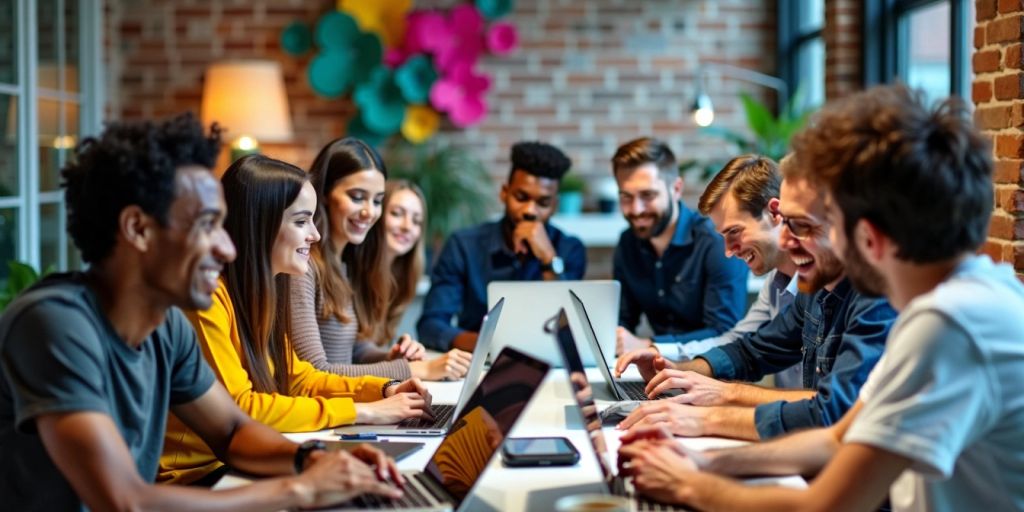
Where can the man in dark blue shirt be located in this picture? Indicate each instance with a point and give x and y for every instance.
(522, 246)
(671, 261)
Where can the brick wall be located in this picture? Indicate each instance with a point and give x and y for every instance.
(998, 94)
(590, 74)
(844, 71)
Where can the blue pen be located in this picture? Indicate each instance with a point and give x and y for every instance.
(362, 436)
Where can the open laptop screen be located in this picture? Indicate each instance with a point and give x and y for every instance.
(485, 421)
(583, 394)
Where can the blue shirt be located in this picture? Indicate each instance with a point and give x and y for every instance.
(692, 292)
(473, 257)
(837, 337)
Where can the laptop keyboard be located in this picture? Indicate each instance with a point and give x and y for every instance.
(442, 413)
(634, 389)
(643, 504)
(416, 496)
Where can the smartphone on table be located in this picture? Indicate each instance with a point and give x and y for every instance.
(539, 451)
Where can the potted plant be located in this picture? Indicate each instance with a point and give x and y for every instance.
(570, 195)
(20, 276)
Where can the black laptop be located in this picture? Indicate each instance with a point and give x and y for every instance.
(476, 435)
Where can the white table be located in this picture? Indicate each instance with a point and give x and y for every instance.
(507, 489)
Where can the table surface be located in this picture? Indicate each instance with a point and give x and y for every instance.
(545, 416)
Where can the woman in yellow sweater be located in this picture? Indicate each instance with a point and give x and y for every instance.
(270, 206)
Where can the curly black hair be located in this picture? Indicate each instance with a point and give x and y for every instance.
(130, 163)
(539, 159)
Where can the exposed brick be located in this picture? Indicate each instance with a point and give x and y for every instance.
(1008, 6)
(1010, 199)
(1008, 87)
(1008, 171)
(1012, 58)
(985, 61)
(985, 9)
(992, 118)
(1005, 30)
(981, 91)
(979, 37)
(1009, 145)
(1001, 226)
(1018, 255)
(994, 249)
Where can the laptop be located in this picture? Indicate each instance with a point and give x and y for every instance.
(531, 303)
(465, 452)
(397, 451)
(443, 414)
(583, 395)
(616, 390)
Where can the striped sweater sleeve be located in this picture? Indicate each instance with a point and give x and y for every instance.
(328, 344)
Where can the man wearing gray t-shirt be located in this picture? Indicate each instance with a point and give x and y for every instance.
(938, 425)
(91, 362)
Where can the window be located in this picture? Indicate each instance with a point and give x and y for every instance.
(49, 97)
(802, 49)
(925, 43)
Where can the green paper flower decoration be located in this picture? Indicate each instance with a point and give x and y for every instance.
(415, 78)
(494, 9)
(357, 128)
(336, 31)
(347, 56)
(296, 38)
(381, 102)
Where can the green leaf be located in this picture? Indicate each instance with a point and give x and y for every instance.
(759, 118)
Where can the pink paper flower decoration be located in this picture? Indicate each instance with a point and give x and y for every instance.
(460, 94)
(502, 38)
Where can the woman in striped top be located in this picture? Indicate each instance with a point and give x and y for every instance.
(339, 308)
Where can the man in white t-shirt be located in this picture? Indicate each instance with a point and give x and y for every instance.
(939, 425)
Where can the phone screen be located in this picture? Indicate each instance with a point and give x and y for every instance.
(538, 446)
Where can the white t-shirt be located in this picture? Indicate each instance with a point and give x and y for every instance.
(949, 394)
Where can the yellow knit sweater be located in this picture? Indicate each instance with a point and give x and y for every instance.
(316, 400)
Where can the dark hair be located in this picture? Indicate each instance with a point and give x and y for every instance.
(130, 164)
(922, 176)
(406, 270)
(752, 179)
(539, 159)
(340, 158)
(646, 150)
(257, 191)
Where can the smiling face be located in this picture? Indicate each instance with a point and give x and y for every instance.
(354, 204)
(755, 241)
(646, 201)
(805, 235)
(403, 222)
(191, 250)
(290, 254)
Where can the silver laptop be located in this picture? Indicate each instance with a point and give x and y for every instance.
(480, 428)
(443, 414)
(616, 389)
(583, 395)
(531, 303)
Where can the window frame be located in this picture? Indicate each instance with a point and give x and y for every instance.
(89, 99)
(885, 50)
(791, 41)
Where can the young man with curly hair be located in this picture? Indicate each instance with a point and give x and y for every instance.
(521, 246)
(92, 362)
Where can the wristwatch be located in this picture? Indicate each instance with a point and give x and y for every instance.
(303, 452)
(555, 267)
(388, 384)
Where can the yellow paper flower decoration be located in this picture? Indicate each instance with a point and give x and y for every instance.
(386, 18)
(420, 123)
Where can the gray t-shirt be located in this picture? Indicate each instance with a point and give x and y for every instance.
(949, 394)
(58, 354)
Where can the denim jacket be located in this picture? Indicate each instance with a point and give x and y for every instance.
(836, 336)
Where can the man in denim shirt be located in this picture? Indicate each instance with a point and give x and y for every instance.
(834, 332)
(671, 262)
(522, 246)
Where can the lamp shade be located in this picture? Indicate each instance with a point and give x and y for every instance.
(247, 97)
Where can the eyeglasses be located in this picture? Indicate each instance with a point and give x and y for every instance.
(799, 228)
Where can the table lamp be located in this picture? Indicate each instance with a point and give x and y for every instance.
(247, 98)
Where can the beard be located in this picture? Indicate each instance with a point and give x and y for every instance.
(829, 268)
(865, 278)
(658, 226)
